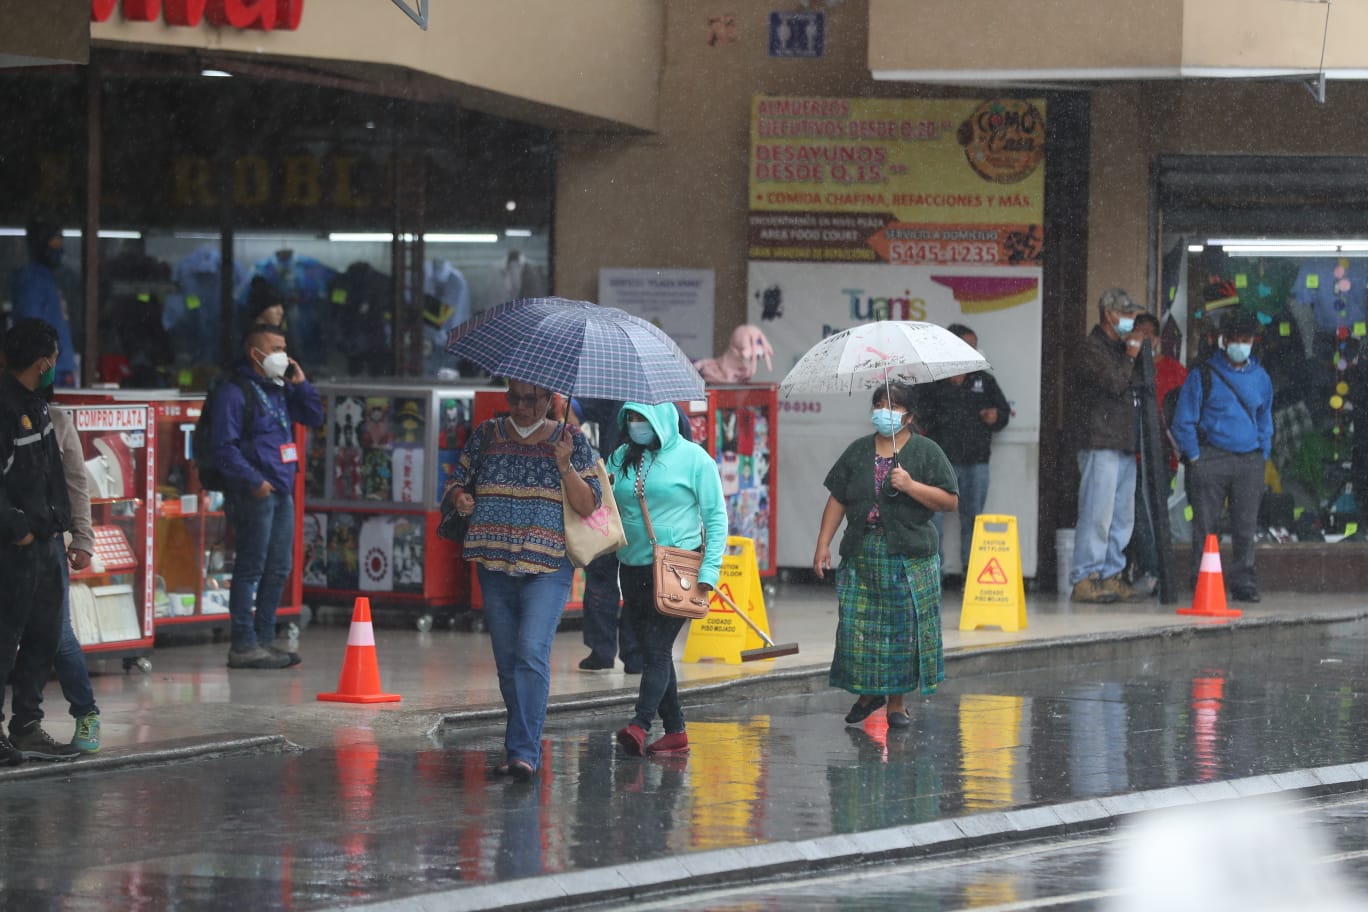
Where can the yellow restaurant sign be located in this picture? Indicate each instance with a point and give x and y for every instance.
(901, 181)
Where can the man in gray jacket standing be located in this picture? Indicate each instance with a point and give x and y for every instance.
(1106, 388)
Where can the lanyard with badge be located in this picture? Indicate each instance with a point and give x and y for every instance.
(288, 452)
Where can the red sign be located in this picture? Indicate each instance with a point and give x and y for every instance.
(262, 15)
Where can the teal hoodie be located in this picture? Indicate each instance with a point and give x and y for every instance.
(683, 491)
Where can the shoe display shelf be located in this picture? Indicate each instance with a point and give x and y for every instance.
(111, 600)
(374, 474)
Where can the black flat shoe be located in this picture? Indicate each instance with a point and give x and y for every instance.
(863, 710)
(899, 719)
(1245, 595)
(521, 770)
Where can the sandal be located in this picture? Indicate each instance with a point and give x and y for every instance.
(863, 710)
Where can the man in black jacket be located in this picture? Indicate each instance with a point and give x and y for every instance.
(962, 413)
(34, 512)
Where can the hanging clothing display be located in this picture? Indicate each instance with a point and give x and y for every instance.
(518, 277)
(194, 316)
(360, 320)
(303, 284)
(446, 304)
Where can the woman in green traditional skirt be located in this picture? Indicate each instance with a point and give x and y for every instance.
(887, 486)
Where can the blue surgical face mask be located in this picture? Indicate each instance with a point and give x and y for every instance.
(1238, 352)
(886, 421)
(640, 432)
(1124, 325)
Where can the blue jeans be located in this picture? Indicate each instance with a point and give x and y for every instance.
(263, 534)
(606, 631)
(1106, 513)
(522, 614)
(973, 492)
(659, 690)
(70, 663)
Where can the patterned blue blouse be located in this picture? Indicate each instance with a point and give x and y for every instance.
(518, 525)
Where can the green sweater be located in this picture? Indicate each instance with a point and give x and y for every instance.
(906, 521)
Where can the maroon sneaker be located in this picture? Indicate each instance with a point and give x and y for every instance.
(633, 740)
(675, 743)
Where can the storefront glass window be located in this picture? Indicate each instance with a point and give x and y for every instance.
(1311, 298)
(310, 185)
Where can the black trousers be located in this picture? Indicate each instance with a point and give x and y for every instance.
(30, 623)
(1216, 479)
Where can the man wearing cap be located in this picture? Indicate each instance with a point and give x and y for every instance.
(1107, 392)
(1224, 428)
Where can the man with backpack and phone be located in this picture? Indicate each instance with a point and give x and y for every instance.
(253, 459)
(1224, 428)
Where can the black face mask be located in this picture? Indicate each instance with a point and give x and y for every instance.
(52, 257)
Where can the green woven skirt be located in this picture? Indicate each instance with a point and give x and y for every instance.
(888, 636)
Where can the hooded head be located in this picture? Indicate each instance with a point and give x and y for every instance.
(663, 420)
(44, 240)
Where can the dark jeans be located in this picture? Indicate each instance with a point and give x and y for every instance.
(606, 632)
(30, 623)
(263, 534)
(659, 692)
(1211, 480)
(70, 662)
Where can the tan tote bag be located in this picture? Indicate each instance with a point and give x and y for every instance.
(588, 537)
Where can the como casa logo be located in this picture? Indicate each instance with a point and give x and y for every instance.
(262, 15)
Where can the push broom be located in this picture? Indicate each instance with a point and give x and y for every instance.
(770, 650)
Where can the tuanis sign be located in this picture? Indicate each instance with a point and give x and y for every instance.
(261, 15)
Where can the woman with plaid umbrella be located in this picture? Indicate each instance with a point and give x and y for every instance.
(513, 477)
(887, 486)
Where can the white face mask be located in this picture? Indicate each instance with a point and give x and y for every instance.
(275, 364)
(525, 432)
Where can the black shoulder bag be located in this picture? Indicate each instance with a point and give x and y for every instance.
(453, 525)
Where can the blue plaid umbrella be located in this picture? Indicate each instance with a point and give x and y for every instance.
(578, 348)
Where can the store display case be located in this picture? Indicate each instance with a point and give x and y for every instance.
(373, 476)
(187, 565)
(738, 426)
(193, 541)
(112, 600)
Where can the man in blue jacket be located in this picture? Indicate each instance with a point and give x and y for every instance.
(254, 447)
(1224, 428)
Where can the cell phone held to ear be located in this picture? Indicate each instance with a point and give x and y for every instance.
(291, 372)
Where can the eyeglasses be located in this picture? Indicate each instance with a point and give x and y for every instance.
(515, 400)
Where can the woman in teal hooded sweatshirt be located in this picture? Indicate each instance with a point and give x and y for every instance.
(683, 491)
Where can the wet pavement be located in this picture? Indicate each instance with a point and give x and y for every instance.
(775, 784)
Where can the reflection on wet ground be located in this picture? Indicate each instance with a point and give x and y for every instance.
(1076, 875)
(353, 822)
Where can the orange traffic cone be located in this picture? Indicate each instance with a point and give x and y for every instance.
(360, 680)
(1209, 600)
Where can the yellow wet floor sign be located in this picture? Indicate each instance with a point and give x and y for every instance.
(994, 591)
(722, 636)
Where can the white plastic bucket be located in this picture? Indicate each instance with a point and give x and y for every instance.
(1064, 544)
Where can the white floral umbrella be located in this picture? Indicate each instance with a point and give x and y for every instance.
(876, 354)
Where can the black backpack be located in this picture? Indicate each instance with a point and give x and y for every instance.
(211, 477)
